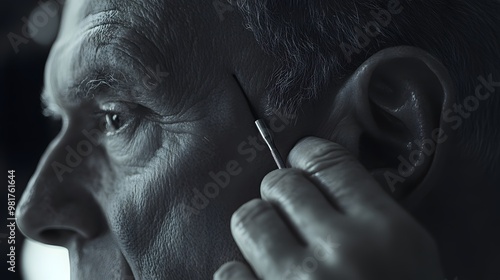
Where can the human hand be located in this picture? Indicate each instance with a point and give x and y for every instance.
(327, 218)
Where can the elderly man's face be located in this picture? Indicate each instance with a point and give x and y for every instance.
(158, 146)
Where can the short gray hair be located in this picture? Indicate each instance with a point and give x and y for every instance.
(308, 36)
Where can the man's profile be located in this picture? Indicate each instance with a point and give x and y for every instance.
(158, 146)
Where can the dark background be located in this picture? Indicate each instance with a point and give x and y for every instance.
(25, 132)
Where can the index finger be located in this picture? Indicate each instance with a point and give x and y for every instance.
(340, 176)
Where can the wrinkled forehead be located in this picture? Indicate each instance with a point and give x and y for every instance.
(167, 20)
(77, 13)
(129, 34)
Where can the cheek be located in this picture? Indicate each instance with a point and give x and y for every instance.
(137, 210)
(145, 203)
(137, 149)
(146, 214)
(179, 201)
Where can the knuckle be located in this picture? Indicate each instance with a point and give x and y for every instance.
(248, 212)
(319, 155)
(279, 180)
(329, 158)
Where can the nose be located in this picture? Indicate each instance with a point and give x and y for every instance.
(57, 205)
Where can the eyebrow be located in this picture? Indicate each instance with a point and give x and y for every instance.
(94, 83)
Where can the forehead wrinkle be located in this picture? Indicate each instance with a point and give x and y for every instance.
(169, 28)
(73, 78)
(152, 24)
(146, 29)
(108, 16)
(77, 78)
(130, 25)
(131, 40)
(113, 36)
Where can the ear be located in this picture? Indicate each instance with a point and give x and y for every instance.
(388, 113)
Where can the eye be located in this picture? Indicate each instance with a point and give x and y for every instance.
(113, 122)
(116, 117)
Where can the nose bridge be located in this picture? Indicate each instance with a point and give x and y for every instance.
(56, 199)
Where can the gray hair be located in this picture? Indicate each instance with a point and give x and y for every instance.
(312, 39)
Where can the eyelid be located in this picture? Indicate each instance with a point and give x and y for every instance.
(114, 107)
(121, 129)
(131, 113)
(126, 107)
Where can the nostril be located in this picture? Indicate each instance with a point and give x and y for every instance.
(57, 237)
(55, 213)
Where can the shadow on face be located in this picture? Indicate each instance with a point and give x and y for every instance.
(158, 146)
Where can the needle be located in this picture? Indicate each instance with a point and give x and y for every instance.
(264, 131)
(268, 138)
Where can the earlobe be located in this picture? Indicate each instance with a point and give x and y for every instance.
(396, 99)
